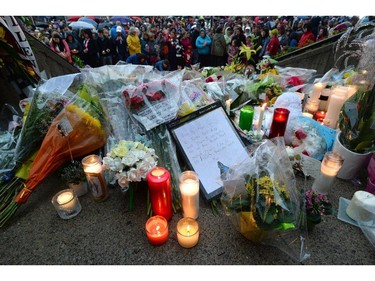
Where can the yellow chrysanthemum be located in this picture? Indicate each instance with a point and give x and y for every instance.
(88, 119)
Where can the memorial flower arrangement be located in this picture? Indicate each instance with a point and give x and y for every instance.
(73, 173)
(130, 162)
(77, 130)
(316, 205)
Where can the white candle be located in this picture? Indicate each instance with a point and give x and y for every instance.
(306, 114)
(312, 106)
(323, 99)
(329, 168)
(317, 89)
(362, 206)
(95, 178)
(65, 200)
(66, 204)
(227, 104)
(352, 90)
(261, 115)
(336, 101)
(189, 188)
(187, 232)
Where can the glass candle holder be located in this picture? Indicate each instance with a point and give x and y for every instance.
(159, 186)
(92, 167)
(331, 164)
(189, 189)
(66, 204)
(279, 122)
(187, 232)
(319, 116)
(157, 230)
(246, 117)
(311, 106)
(323, 99)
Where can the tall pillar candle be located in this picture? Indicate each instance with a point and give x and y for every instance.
(336, 101)
(189, 189)
(317, 89)
(246, 117)
(279, 122)
(95, 178)
(261, 116)
(159, 186)
(329, 168)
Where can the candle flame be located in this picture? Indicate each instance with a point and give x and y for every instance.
(157, 229)
(188, 229)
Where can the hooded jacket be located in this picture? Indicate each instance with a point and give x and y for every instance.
(203, 50)
(219, 46)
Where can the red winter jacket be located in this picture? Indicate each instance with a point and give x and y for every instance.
(273, 47)
(306, 39)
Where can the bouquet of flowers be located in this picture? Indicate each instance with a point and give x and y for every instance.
(73, 173)
(262, 201)
(316, 205)
(130, 162)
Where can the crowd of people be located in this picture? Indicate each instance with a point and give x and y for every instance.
(171, 43)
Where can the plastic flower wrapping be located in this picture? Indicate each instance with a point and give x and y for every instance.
(261, 199)
(130, 161)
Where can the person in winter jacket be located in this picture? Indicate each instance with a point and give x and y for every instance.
(203, 44)
(60, 47)
(90, 50)
(74, 45)
(265, 39)
(134, 44)
(104, 48)
(138, 58)
(273, 45)
(218, 48)
(120, 46)
(307, 36)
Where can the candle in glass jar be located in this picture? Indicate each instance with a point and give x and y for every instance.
(323, 99)
(312, 106)
(317, 89)
(330, 166)
(261, 115)
(246, 117)
(95, 178)
(336, 101)
(159, 186)
(66, 204)
(189, 189)
(157, 230)
(187, 232)
(279, 122)
(319, 116)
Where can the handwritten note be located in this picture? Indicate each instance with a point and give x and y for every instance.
(208, 139)
(310, 166)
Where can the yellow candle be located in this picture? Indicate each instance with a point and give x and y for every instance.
(261, 115)
(189, 188)
(187, 232)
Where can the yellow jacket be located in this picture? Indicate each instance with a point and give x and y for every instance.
(134, 44)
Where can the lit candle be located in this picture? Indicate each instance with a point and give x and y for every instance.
(260, 120)
(95, 178)
(157, 230)
(189, 189)
(312, 106)
(159, 186)
(227, 105)
(309, 115)
(319, 116)
(317, 89)
(362, 206)
(329, 168)
(246, 117)
(187, 232)
(323, 99)
(279, 122)
(66, 204)
(336, 101)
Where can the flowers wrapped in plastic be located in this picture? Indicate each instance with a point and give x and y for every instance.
(77, 130)
(262, 201)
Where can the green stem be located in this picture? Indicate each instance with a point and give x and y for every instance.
(7, 213)
(131, 195)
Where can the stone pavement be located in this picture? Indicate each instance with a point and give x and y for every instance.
(106, 234)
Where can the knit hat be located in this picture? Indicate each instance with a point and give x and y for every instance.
(274, 32)
(118, 29)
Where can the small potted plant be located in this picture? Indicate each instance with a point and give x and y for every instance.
(73, 175)
(316, 205)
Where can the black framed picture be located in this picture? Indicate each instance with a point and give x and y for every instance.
(210, 144)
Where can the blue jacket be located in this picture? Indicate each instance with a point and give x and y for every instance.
(159, 66)
(133, 59)
(203, 50)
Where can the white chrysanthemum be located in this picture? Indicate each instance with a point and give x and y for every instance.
(123, 180)
(134, 175)
(140, 154)
(129, 160)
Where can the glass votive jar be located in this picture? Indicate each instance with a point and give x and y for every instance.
(279, 122)
(187, 232)
(189, 189)
(92, 167)
(66, 204)
(311, 106)
(157, 230)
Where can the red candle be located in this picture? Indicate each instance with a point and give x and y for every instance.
(279, 121)
(159, 186)
(157, 230)
(319, 116)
